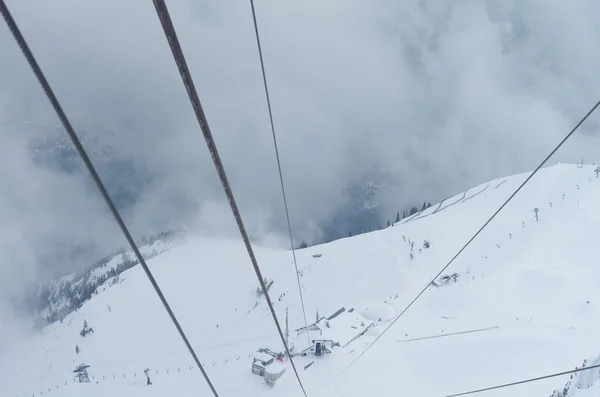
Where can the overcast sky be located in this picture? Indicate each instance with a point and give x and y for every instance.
(441, 95)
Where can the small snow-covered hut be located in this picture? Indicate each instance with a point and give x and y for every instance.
(260, 362)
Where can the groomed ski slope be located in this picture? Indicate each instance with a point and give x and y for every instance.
(528, 283)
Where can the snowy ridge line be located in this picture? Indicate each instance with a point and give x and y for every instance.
(410, 218)
(544, 161)
(500, 184)
(449, 334)
(520, 382)
(11, 24)
(476, 194)
(440, 207)
(456, 202)
(426, 215)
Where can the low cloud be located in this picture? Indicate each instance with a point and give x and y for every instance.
(436, 96)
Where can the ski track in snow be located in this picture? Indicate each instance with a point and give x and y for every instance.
(523, 294)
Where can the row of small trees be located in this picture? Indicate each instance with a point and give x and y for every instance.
(405, 214)
(412, 211)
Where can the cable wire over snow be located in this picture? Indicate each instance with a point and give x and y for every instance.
(99, 184)
(287, 213)
(588, 114)
(524, 381)
(171, 35)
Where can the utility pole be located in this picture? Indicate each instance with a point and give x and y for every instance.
(287, 329)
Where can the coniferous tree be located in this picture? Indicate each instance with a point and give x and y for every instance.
(388, 223)
(86, 329)
(397, 217)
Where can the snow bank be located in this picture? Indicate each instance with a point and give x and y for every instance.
(376, 311)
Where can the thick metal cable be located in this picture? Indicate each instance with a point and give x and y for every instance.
(287, 213)
(477, 233)
(90, 167)
(171, 35)
(524, 381)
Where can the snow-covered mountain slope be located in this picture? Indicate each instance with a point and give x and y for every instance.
(527, 288)
(53, 300)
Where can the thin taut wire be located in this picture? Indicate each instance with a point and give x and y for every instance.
(287, 213)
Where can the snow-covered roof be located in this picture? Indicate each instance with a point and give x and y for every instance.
(334, 315)
(263, 357)
(342, 329)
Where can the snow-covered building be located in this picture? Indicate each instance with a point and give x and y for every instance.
(337, 330)
(260, 362)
